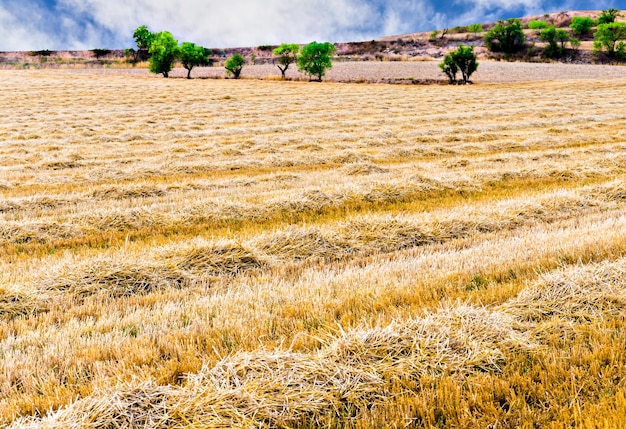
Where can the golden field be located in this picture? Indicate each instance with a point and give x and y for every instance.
(216, 253)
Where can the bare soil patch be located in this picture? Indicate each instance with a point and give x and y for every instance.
(418, 72)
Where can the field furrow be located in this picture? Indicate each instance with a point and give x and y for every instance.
(217, 253)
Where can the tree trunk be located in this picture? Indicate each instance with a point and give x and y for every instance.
(188, 73)
(283, 70)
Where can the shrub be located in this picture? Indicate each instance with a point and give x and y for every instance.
(234, 65)
(463, 60)
(581, 25)
(537, 24)
(131, 55)
(475, 28)
(99, 53)
(208, 61)
(556, 39)
(42, 53)
(608, 16)
(449, 67)
(506, 36)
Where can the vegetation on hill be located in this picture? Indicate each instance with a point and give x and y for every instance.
(611, 38)
(506, 37)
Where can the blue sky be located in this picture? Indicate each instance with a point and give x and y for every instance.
(87, 24)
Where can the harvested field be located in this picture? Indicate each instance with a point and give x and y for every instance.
(426, 71)
(256, 253)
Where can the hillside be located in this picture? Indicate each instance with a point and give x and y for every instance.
(405, 47)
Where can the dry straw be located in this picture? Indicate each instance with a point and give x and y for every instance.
(579, 293)
(16, 304)
(353, 370)
(395, 203)
(285, 389)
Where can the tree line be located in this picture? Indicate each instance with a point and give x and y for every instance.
(162, 51)
(508, 36)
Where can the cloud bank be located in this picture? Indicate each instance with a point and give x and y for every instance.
(87, 24)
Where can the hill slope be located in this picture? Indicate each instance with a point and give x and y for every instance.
(395, 48)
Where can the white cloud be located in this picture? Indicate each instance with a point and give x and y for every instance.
(87, 24)
(503, 4)
(232, 23)
(17, 35)
(482, 11)
(406, 16)
(250, 22)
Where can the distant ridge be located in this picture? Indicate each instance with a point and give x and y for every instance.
(419, 46)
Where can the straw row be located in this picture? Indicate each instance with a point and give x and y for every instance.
(354, 369)
(286, 389)
(179, 265)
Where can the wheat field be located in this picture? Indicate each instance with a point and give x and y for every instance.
(220, 253)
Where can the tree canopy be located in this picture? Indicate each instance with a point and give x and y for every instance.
(164, 49)
(581, 25)
(143, 37)
(506, 36)
(287, 54)
(315, 58)
(234, 65)
(192, 55)
(608, 16)
(463, 60)
(556, 39)
(610, 37)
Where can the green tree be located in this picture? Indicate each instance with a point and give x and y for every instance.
(192, 55)
(143, 37)
(608, 16)
(610, 37)
(234, 65)
(164, 49)
(506, 36)
(449, 67)
(287, 54)
(581, 25)
(315, 58)
(556, 39)
(463, 59)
